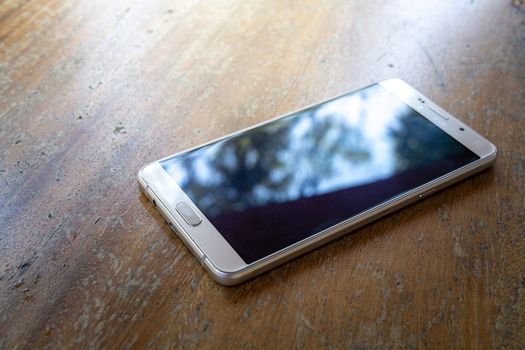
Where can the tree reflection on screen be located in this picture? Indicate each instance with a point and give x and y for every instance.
(269, 187)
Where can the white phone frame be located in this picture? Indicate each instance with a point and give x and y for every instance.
(223, 262)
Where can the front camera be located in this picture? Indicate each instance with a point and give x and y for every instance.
(462, 129)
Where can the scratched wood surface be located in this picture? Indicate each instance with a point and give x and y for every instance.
(92, 90)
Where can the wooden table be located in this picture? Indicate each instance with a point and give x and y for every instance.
(92, 90)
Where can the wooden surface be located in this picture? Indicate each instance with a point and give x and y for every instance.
(92, 90)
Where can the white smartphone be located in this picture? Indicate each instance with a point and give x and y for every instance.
(261, 196)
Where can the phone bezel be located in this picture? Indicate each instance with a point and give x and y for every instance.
(223, 262)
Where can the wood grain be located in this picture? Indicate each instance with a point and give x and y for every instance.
(92, 90)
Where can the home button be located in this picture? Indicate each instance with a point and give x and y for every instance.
(189, 215)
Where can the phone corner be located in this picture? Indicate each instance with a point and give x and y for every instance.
(397, 86)
(493, 150)
(492, 154)
(142, 178)
(224, 278)
(226, 281)
(142, 173)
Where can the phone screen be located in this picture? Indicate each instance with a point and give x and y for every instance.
(270, 187)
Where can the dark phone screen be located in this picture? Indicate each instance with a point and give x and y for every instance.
(273, 186)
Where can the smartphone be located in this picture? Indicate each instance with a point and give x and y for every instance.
(259, 197)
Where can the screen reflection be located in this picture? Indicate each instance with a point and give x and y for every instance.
(275, 185)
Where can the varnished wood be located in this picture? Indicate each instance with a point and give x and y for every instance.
(92, 90)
